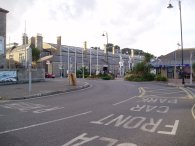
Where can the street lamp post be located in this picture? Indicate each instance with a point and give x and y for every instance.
(97, 68)
(106, 34)
(75, 61)
(181, 35)
(191, 68)
(90, 62)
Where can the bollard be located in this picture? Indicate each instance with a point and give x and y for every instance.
(73, 76)
(72, 79)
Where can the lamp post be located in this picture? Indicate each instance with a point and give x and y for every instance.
(181, 35)
(90, 62)
(75, 61)
(191, 68)
(106, 34)
(60, 62)
(97, 68)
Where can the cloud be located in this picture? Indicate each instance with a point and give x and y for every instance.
(140, 24)
(17, 9)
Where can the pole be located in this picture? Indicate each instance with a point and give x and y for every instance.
(90, 62)
(129, 62)
(83, 64)
(30, 79)
(29, 70)
(68, 61)
(97, 69)
(107, 50)
(75, 60)
(9, 53)
(60, 62)
(25, 45)
(191, 68)
(183, 82)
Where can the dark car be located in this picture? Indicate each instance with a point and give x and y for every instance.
(49, 75)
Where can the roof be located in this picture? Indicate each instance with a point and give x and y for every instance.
(175, 57)
(3, 10)
(45, 58)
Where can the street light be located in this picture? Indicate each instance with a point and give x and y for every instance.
(181, 35)
(106, 34)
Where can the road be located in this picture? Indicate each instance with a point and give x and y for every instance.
(109, 113)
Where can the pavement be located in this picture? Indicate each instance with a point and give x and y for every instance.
(178, 83)
(55, 86)
(38, 89)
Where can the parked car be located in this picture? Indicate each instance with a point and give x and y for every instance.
(49, 75)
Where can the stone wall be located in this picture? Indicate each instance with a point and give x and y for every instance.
(37, 75)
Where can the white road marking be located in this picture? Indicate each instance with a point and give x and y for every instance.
(126, 144)
(192, 110)
(143, 123)
(164, 94)
(44, 123)
(84, 140)
(174, 128)
(23, 106)
(124, 101)
(47, 110)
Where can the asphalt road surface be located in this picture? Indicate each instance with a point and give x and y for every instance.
(109, 113)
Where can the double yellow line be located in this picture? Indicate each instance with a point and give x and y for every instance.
(190, 96)
(189, 93)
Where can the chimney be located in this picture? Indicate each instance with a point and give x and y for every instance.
(24, 39)
(39, 42)
(113, 50)
(132, 52)
(58, 44)
(32, 42)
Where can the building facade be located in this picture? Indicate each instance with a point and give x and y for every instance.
(3, 13)
(61, 59)
(170, 65)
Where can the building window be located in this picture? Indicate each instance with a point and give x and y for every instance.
(21, 59)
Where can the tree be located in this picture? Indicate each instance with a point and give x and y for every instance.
(35, 54)
(193, 66)
(117, 48)
(148, 57)
(109, 47)
(126, 51)
(95, 48)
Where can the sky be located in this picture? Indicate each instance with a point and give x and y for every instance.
(139, 24)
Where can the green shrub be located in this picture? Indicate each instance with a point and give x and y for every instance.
(107, 77)
(148, 76)
(139, 78)
(160, 78)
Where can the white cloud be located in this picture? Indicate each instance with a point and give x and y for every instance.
(146, 25)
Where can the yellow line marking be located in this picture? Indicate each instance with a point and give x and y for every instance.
(187, 92)
(190, 92)
(142, 92)
(192, 110)
(154, 90)
(165, 93)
